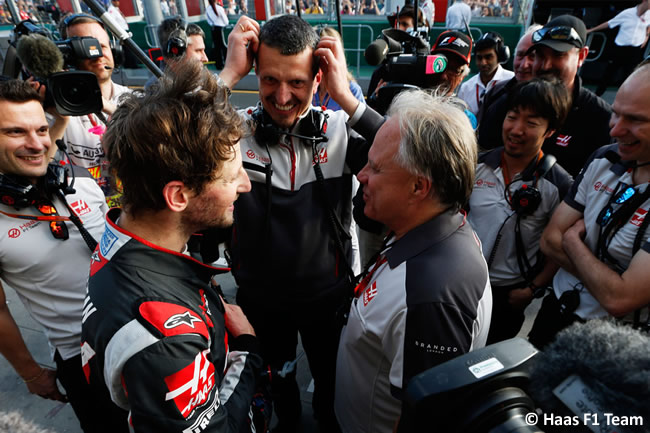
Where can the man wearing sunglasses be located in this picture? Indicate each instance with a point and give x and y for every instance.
(560, 51)
(44, 256)
(598, 234)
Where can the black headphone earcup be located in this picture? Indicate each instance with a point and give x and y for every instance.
(175, 48)
(118, 54)
(265, 132)
(526, 200)
(504, 53)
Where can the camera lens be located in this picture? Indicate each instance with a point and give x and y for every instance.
(76, 93)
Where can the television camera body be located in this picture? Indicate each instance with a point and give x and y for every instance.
(406, 62)
(72, 92)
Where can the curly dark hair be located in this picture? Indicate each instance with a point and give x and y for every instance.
(182, 128)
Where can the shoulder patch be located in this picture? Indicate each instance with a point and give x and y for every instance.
(172, 319)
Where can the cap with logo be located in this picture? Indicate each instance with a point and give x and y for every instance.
(454, 42)
(561, 34)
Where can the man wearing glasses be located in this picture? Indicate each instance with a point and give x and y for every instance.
(560, 51)
(44, 256)
(598, 234)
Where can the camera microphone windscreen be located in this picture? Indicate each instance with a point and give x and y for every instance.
(376, 52)
(39, 55)
(611, 361)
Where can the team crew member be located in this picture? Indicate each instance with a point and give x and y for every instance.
(598, 234)
(559, 52)
(490, 53)
(83, 134)
(44, 256)
(218, 20)
(291, 257)
(516, 190)
(633, 31)
(522, 65)
(407, 316)
(156, 335)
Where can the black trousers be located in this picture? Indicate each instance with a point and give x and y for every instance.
(93, 407)
(277, 326)
(218, 47)
(506, 320)
(549, 322)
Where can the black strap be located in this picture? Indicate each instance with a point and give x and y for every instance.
(85, 234)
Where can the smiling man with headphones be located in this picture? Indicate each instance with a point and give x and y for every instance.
(516, 189)
(490, 53)
(83, 134)
(50, 219)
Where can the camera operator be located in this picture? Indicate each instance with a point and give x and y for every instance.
(45, 254)
(179, 43)
(83, 134)
(457, 48)
(517, 188)
(598, 234)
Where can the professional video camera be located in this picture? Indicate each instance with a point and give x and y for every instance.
(73, 93)
(481, 391)
(406, 63)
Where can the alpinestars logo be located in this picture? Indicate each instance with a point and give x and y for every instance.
(191, 386)
(181, 319)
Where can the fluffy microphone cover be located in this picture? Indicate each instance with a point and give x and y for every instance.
(611, 359)
(39, 55)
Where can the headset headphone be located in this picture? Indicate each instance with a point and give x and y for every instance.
(527, 198)
(503, 51)
(176, 44)
(116, 48)
(16, 192)
(313, 126)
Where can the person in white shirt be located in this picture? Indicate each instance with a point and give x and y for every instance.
(458, 15)
(490, 52)
(217, 19)
(633, 32)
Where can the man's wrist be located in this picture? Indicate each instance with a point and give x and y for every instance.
(224, 84)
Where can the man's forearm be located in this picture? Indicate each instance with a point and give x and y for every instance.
(551, 246)
(12, 347)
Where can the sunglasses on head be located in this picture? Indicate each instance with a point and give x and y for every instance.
(560, 33)
(623, 194)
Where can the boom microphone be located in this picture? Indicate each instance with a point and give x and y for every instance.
(39, 56)
(599, 358)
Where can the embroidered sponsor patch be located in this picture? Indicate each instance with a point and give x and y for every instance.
(563, 140)
(369, 293)
(80, 207)
(638, 217)
(172, 319)
(190, 387)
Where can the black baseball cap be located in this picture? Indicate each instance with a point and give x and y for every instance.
(561, 34)
(454, 42)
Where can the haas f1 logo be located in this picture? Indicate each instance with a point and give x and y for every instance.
(191, 387)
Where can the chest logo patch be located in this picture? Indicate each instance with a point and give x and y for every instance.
(172, 319)
(638, 217)
(80, 207)
(369, 294)
(563, 140)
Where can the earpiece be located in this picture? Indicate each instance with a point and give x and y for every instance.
(312, 126)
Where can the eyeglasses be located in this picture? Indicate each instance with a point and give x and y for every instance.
(57, 228)
(560, 33)
(623, 194)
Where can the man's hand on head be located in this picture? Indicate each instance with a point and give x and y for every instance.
(243, 43)
(335, 73)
